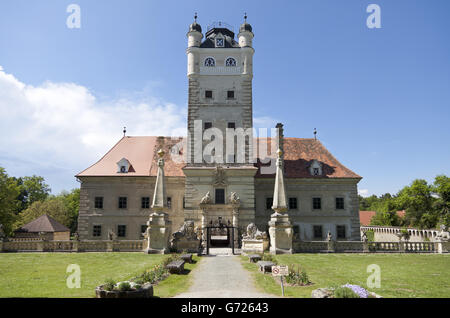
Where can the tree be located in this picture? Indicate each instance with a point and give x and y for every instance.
(72, 203)
(441, 188)
(54, 207)
(9, 192)
(418, 201)
(33, 189)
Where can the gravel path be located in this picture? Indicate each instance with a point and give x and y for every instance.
(221, 277)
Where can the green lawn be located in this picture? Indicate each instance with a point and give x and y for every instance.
(44, 274)
(176, 284)
(402, 275)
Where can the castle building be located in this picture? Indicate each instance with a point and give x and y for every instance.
(207, 184)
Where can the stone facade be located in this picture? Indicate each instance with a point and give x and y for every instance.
(188, 183)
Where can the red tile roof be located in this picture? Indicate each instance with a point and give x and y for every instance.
(44, 223)
(141, 152)
(365, 217)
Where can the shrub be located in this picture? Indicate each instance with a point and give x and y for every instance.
(344, 292)
(269, 258)
(138, 286)
(297, 276)
(124, 286)
(109, 285)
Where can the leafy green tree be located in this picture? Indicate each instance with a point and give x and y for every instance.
(72, 203)
(32, 189)
(441, 187)
(9, 191)
(54, 207)
(418, 202)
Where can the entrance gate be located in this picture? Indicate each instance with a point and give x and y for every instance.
(215, 234)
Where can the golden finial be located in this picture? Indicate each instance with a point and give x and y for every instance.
(279, 152)
(161, 153)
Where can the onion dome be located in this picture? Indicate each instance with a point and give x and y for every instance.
(195, 27)
(245, 27)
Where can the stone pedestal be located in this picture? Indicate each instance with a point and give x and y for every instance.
(441, 247)
(158, 232)
(236, 225)
(331, 246)
(110, 246)
(255, 245)
(40, 246)
(365, 247)
(281, 233)
(75, 245)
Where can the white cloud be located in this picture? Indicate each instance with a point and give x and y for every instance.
(64, 127)
(363, 192)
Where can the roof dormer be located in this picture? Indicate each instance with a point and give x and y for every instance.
(123, 166)
(315, 169)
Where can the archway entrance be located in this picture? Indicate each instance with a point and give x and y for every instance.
(219, 235)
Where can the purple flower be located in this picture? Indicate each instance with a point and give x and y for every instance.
(361, 292)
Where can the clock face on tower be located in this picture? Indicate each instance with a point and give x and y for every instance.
(219, 42)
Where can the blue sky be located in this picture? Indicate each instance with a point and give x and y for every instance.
(379, 98)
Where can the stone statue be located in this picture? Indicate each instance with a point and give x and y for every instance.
(219, 176)
(76, 236)
(443, 235)
(186, 238)
(329, 237)
(254, 241)
(364, 237)
(111, 235)
(187, 230)
(206, 199)
(253, 233)
(234, 198)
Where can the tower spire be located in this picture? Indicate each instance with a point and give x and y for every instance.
(245, 17)
(195, 17)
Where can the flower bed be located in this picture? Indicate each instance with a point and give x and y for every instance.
(344, 291)
(138, 287)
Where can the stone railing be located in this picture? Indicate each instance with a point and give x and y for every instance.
(33, 245)
(389, 234)
(370, 247)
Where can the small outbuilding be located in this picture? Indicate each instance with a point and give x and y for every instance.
(44, 227)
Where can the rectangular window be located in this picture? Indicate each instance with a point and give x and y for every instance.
(184, 202)
(317, 231)
(99, 202)
(122, 202)
(121, 230)
(230, 94)
(208, 94)
(292, 203)
(97, 230)
(340, 229)
(169, 202)
(145, 203)
(269, 203)
(317, 203)
(143, 228)
(339, 203)
(220, 196)
(207, 125)
(231, 125)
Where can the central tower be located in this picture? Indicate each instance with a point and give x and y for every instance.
(220, 172)
(220, 73)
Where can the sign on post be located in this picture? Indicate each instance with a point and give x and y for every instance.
(280, 270)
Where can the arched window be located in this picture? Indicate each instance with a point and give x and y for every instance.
(230, 62)
(209, 61)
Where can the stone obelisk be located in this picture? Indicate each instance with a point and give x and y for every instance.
(158, 229)
(280, 228)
